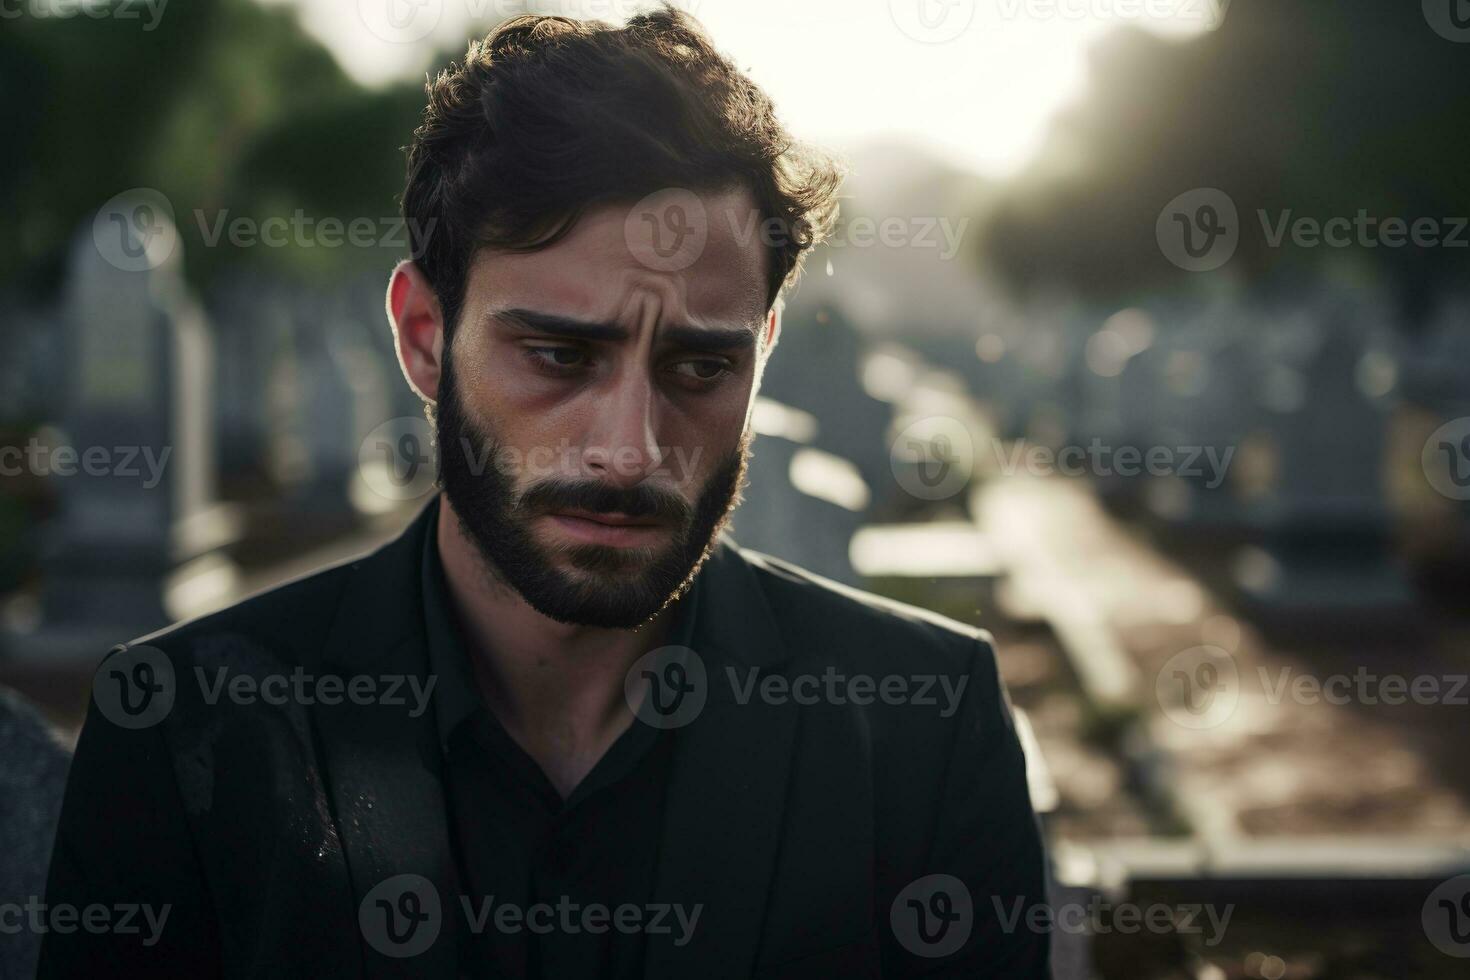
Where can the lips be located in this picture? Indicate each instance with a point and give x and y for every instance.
(611, 519)
(617, 530)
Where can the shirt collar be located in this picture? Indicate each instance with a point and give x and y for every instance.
(456, 694)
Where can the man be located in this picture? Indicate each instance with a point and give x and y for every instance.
(560, 728)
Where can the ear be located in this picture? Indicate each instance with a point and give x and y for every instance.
(418, 329)
(773, 327)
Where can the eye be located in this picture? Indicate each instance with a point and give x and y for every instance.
(557, 359)
(701, 368)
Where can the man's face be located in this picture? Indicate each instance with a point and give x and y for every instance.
(593, 408)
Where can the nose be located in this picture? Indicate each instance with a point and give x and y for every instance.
(621, 447)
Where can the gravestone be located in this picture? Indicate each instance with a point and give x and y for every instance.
(1203, 399)
(817, 367)
(342, 396)
(1321, 528)
(778, 518)
(131, 459)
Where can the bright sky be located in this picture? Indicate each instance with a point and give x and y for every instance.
(974, 80)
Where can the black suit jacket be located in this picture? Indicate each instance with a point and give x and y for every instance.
(798, 828)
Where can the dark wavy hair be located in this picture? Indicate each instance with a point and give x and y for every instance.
(549, 116)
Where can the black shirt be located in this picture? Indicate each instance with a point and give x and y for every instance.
(546, 881)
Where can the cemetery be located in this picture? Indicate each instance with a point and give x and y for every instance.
(883, 465)
(1216, 521)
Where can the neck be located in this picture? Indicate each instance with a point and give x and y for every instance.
(554, 685)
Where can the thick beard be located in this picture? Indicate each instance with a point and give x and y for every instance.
(619, 588)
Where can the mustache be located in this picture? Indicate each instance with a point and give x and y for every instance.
(596, 497)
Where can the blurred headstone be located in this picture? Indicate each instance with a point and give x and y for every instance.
(817, 368)
(781, 519)
(131, 460)
(1320, 518)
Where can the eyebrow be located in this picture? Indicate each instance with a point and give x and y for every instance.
(679, 334)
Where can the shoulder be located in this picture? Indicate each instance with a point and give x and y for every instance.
(289, 619)
(828, 622)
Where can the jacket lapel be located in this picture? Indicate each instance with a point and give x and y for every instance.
(723, 811)
(383, 770)
(724, 807)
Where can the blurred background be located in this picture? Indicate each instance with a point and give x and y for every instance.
(1144, 344)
